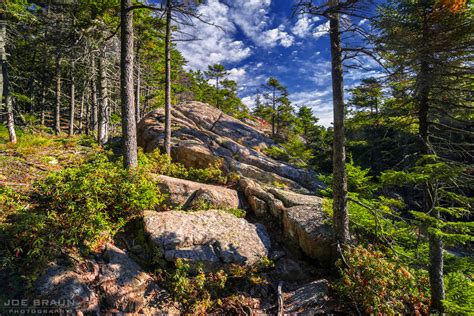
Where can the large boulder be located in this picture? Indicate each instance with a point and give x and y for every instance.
(212, 238)
(202, 135)
(185, 194)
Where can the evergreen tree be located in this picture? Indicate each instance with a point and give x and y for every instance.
(427, 45)
(275, 95)
(217, 73)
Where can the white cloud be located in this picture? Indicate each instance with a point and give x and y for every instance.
(217, 45)
(237, 74)
(321, 30)
(249, 101)
(304, 25)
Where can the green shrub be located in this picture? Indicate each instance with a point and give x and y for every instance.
(79, 207)
(195, 291)
(200, 292)
(97, 197)
(277, 152)
(161, 164)
(10, 202)
(380, 286)
(459, 294)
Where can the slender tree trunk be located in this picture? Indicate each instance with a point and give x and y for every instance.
(72, 109)
(93, 106)
(217, 92)
(138, 87)
(81, 111)
(5, 97)
(88, 116)
(103, 103)
(43, 102)
(273, 112)
(145, 105)
(430, 192)
(340, 211)
(57, 109)
(129, 126)
(167, 141)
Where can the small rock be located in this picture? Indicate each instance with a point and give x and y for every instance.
(310, 298)
(61, 284)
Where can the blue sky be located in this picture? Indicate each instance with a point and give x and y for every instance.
(261, 38)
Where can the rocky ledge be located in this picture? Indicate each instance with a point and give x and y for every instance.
(202, 135)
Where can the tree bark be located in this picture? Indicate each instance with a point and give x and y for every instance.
(103, 103)
(167, 142)
(5, 97)
(72, 109)
(43, 102)
(57, 109)
(138, 86)
(429, 192)
(273, 112)
(81, 111)
(93, 102)
(129, 128)
(340, 211)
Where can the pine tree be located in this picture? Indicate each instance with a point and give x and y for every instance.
(217, 73)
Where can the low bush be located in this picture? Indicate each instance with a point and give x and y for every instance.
(161, 164)
(382, 287)
(76, 208)
(459, 294)
(200, 292)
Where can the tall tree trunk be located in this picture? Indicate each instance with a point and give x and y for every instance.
(81, 111)
(93, 104)
(138, 86)
(273, 112)
(103, 103)
(217, 92)
(57, 109)
(129, 127)
(145, 105)
(72, 109)
(5, 97)
(88, 116)
(429, 192)
(43, 102)
(340, 211)
(167, 141)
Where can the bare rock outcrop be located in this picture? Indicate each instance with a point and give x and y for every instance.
(212, 238)
(202, 134)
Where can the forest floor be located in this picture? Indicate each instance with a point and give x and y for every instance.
(37, 154)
